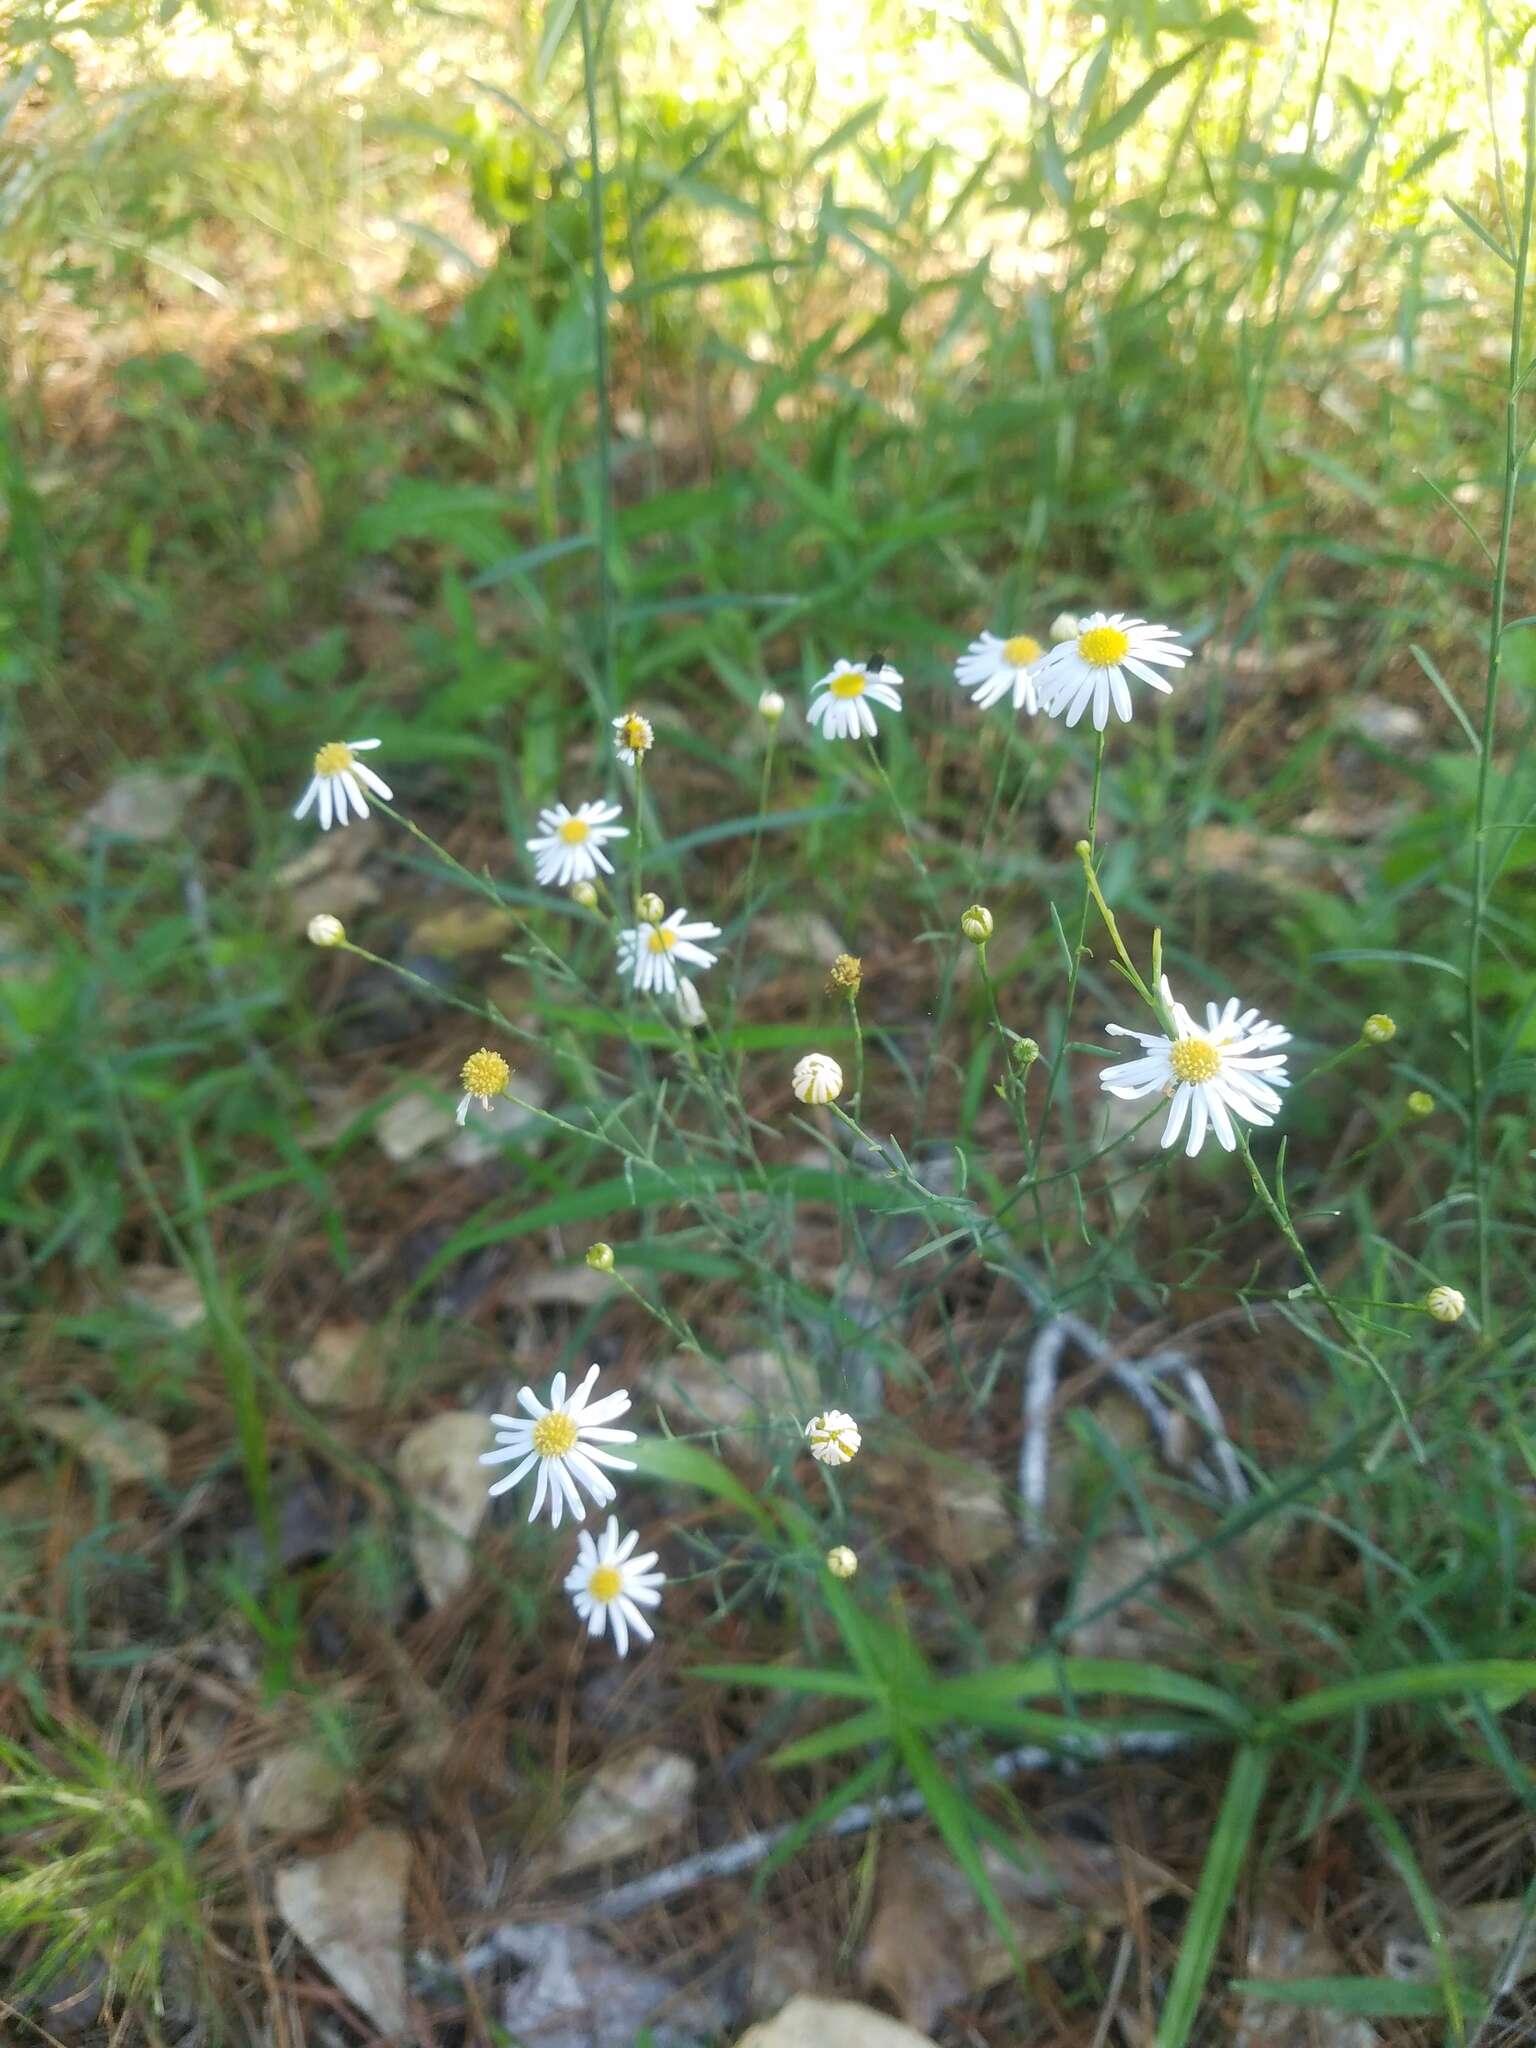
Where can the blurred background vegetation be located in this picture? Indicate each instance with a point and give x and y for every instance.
(414, 370)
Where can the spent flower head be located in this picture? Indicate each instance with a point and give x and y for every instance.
(1091, 670)
(609, 1585)
(651, 953)
(633, 737)
(847, 976)
(563, 1442)
(568, 846)
(1446, 1304)
(847, 692)
(483, 1076)
(1214, 1072)
(1378, 1028)
(817, 1078)
(325, 930)
(833, 1437)
(992, 668)
(338, 780)
(842, 1562)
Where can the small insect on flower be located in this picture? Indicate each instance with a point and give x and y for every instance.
(848, 689)
(325, 930)
(1228, 1068)
(338, 781)
(651, 953)
(842, 1562)
(1446, 1304)
(1091, 669)
(817, 1078)
(569, 844)
(991, 667)
(609, 1586)
(483, 1076)
(633, 735)
(833, 1437)
(1378, 1029)
(560, 1441)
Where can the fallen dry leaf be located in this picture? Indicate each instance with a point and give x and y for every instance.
(1486, 1937)
(143, 806)
(808, 2022)
(1164, 1623)
(166, 1292)
(338, 894)
(462, 928)
(297, 1790)
(127, 1449)
(348, 1909)
(577, 1992)
(625, 1805)
(748, 1387)
(440, 1470)
(343, 1367)
(560, 1287)
(413, 1123)
(798, 935)
(1278, 1947)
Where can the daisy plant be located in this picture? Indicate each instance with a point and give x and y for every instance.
(568, 846)
(338, 781)
(563, 1441)
(1089, 672)
(610, 1586)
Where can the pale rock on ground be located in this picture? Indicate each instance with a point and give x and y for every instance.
(348, 1909)
(810, 2022)
(128, 1450)
(297, 1790)
(440, 1471)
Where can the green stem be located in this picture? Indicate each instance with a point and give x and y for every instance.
(858, 1055)
(600, 357)
(1074, 965)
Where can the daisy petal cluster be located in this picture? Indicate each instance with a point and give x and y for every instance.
(817, 1079)
(1089, 671)
(568, 846)
(562, 1443)
(1227, 1068)
(633, 736)
(833, 1437)
(991, 667)
(650, 954)
(846, 693)
(338, 780)
(609, 1585)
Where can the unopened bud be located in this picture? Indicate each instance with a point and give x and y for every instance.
(1378, 1028)
(1420, 1104)
(1446, 1304)
(842, 1562)
(1026, 1051)
(584, 894)
(325, 930)
(1065, 626)
(976, 924)
(649, 908)
(770, 707)
(600, 1257)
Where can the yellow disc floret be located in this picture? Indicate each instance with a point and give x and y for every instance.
(1021, 650)
(334, 758)
(659, 939)
(555, 1435)
(484, 1074)
(1192, 1059)
(1103, 646)
(635, 732)
(575, 831)
(850, 683)
(605, 1584)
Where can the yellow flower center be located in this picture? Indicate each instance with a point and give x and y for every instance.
(1193, 1059)
(1103, 646)
(635, 733)
(333, 758)
(555, 1435)
(484, 1074)
(605, 1583)
(849, 684)
(660, 939)
(1021, 650)
(574, 831)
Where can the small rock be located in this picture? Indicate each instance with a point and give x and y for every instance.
(808, 2022)
(1387, 724)
(750, 1387)
(626, 1805)
(142, 806)
(348, 1909)
(440, 1470)
(127, 1449)
(798, 935)
(343, 1367)
(297, 1790)
(166, 1292)
(971, 1520)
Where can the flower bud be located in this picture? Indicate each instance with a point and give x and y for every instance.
(1065, 626)
(1446, 1304)
(817, 1078)
(770, 707)
(842, 1562)
(1378, 1028)
(649, 908)
(584, 894)
(833, 1437)
(325, 930)
(600, 1257)
(847, 974)
(1420, 1104)
(976, 924)
(1026, 1051)
(690, 1009)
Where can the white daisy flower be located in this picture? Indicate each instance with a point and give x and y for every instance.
(817, 1078)
(338, 781)
(559, 1439)
(848, 689)
(990, 667)
(652, 953)
(569, 846)
(483, 1076)
(834, 1438)
(1091, 669)
(608, 1585)
(633, 735)
(1229, 1068)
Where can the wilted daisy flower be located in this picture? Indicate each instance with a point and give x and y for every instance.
(834, 1438)
(338, 780)
(633, 736)
(651, 953)
(817, 1078)
(847, 691)
(569, 846)
(558, 1440)
(990, 667)
(1091, 669)
(609, 1586)
(1227, 1069)
(690, 1009)
(483, 1076)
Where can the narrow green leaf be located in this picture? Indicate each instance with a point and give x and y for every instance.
(873, 1725)
(1416, 1682)
(843, 1685)
(949, 1814)
(667, 1457)
(867, 1780)
(1368, 1997)
(1475, 226)
(1218, 1880)
(1130, 111)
